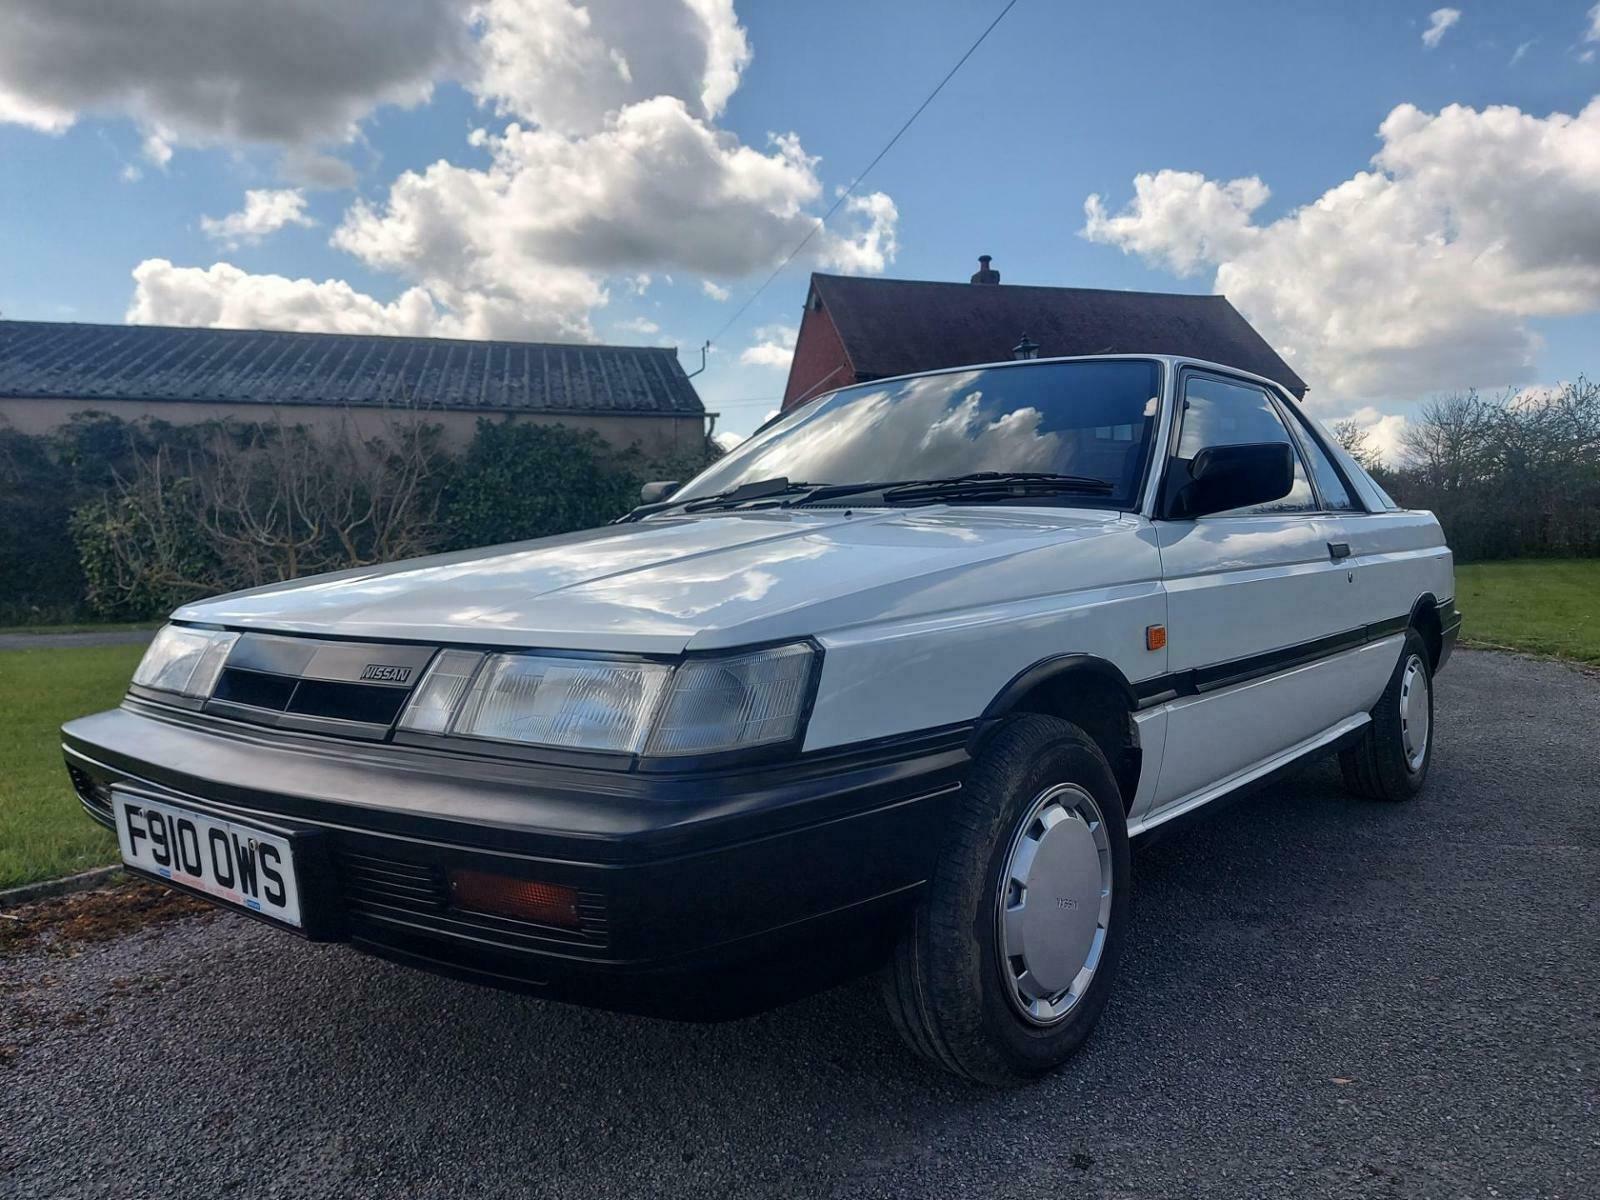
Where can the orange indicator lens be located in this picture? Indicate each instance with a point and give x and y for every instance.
(520, 899)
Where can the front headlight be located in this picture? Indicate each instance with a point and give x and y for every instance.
(699, 706)
(184, 661)
(571, 703)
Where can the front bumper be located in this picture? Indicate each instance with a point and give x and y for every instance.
(1449, 631)
(701, 896)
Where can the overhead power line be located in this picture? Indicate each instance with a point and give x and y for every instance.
(849, 191)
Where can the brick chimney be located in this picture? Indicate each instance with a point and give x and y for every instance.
(986, 273)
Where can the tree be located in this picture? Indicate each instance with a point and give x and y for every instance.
(1358, 443)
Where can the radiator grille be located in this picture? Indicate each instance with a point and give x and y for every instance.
(370, 704)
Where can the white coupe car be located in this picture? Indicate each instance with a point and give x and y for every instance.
(891, 686)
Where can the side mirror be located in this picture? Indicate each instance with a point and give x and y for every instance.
(654, 493)
(1225, 477)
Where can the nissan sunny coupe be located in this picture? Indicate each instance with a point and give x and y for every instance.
(890, 688)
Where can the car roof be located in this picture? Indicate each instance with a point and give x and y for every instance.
(1171, 361)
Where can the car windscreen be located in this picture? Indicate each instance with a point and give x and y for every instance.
(1093, 419)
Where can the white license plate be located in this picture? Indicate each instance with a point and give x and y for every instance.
(241, 864)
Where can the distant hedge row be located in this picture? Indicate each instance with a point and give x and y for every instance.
(124, 520)
(1510, 476)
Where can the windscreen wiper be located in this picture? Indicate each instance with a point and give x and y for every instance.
(976, 485)
(987, 485)
(756, 489)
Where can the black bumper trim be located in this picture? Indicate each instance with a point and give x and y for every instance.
(713, 887)
(1449, 630)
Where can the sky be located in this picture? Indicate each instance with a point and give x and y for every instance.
(1404, 199)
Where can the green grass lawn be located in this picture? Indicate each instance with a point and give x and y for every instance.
(1544, 606)
(43, 831)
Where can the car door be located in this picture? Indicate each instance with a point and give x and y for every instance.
(1393, 557)
(1256, 602)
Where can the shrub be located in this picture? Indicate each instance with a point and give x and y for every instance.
(240, 505)
(176, 514)
(42, 480)
(1511, 476)
(37, 564)
(520, 481)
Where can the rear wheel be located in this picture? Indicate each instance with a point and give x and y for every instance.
(1391, 760)
(1011, 955)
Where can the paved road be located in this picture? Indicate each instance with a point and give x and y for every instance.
(1321, 997)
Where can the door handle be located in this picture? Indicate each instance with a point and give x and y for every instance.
(1338, 550)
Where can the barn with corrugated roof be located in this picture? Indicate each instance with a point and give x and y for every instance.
(629, 395)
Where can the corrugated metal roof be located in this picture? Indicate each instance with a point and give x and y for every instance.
(255, 366)
(898, 326)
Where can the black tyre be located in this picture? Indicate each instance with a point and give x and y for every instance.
(1391, 760)
(1013, 951)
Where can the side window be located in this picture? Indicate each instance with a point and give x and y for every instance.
(1336, 495)
(1219, 413)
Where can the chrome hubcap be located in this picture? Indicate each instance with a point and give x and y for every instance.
(1054, 903)
(1414, 715)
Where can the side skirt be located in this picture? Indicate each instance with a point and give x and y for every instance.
(1250, 775)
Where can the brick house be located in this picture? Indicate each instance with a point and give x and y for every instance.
(855, 329)
(629, 395)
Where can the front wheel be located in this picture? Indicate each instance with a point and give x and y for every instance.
(1012, 952)
(1391, 760)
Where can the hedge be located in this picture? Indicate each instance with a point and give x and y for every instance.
(122, 520)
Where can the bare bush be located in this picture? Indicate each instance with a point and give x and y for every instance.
(250, 504)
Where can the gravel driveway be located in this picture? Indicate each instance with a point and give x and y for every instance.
(1320, 997)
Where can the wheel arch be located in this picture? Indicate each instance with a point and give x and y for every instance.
(1093, 694)
(1425, 620)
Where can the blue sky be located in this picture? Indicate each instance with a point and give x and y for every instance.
(1472, 259)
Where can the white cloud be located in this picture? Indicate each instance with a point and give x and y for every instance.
(1385, 433)
(131, 174)
(1592, 34)
(1522, 49)
(642, 325)
(726, 439)
(222, 296)
(1417, 276)
(569, 68)
(225, 70)
(534, 232)
(1180, 219)
(773, 347)
(157, 149)
(637, 285)
(873, 246)
(1439, 22)
(719, 294)
(265, 212)
(20, 109)
(613, 170)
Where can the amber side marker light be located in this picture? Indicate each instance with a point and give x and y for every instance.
(1155, 637)
(519, 899)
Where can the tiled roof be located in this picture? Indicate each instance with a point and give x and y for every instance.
(897, 326)
(145, 362)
